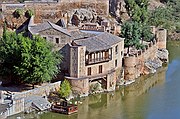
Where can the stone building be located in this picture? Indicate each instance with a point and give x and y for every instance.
(95, 59)
(87, 56)
(55, 34)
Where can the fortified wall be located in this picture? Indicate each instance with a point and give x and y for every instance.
(135, 64)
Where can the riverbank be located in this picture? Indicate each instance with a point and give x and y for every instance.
(101, 105)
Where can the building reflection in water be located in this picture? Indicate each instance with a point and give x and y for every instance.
(128, 102)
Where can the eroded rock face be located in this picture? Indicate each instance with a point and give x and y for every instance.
(83, 15)
(117, 9)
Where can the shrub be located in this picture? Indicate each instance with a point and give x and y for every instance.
(65, 89)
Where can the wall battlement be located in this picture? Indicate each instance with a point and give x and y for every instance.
(135, 63)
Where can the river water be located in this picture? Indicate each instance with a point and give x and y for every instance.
(156, 96)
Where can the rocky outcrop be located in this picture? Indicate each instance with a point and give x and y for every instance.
(153, 4)
(82, 15)
(162, 54)
(117, 9)
(152, 65)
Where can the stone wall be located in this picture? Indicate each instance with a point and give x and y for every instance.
(77, 61)
(41, 91)
(18, 104)
(80, 86)
(134, 65)
(78, 70)
(161, 36)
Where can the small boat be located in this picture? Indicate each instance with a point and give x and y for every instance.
(64, 108)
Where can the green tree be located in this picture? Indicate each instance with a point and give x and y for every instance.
(130, 7)
(65, 89)
(29, 61)
(162, 17)
(38, 62)
(132, 33)
(137, 10)
(146, 33)
(9, 54)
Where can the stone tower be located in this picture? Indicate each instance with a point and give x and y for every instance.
(77, 61)
(161, 35)
(79, 82)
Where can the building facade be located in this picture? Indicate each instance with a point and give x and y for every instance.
(55, 34)
(95, 59)
(88, 57)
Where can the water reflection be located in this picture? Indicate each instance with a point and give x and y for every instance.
(125, 103)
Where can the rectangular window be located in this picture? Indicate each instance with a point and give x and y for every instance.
(116, 49)
(89, 71)
(57, 40)
(100, 69)
(115, 63)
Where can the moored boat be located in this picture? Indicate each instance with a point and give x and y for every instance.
(64, 108)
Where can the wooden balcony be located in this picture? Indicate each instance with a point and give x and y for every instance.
(98, 60)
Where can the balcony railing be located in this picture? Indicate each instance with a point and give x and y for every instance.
(98, 60)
